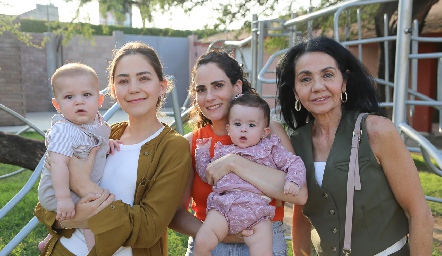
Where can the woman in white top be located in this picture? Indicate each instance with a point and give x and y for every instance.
(146, 177)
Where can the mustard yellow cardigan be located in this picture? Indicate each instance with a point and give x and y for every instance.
(163, 169)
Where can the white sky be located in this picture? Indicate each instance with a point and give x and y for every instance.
(175, 19)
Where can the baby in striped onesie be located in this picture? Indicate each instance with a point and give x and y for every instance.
(75, 130)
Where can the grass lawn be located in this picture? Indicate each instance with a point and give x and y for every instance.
(11, 224)
(431, 183)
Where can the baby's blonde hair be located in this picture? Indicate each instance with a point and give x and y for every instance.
(72, 70)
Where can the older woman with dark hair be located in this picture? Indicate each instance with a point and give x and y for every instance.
(322, 89)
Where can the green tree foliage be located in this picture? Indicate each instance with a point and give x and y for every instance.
(39, 26)
(325, 24)
(8, 23)
(347, 19)
(371, 17)
(227, 11)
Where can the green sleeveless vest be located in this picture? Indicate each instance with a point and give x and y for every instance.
(378, 219)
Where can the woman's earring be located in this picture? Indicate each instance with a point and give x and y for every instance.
(237, 96)
(298, 105)
(342, 97)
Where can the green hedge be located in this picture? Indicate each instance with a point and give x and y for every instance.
(39, 26)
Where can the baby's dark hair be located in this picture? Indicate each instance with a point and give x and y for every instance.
(254, 101)
(230, 67)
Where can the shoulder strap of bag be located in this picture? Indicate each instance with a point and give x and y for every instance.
(353, 182)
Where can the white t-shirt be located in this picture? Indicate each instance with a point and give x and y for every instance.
(120, 177)
(319, 172)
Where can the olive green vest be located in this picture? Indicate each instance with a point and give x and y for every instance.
(378, 219)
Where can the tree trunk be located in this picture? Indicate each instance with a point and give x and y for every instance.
(20, 151)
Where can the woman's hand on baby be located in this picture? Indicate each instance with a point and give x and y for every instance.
(203, 143)
(87, 207)
(114, 145)
(238, 238)
(219, 168)
(80, 174)
(247, 232)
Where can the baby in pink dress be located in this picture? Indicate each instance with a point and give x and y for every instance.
(234, 204)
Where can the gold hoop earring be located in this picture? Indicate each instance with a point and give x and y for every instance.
(298, 105)
(342, 98)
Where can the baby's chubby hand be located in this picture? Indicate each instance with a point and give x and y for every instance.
(203, 143)
(291, 188)
(65, 209)
(114, 145)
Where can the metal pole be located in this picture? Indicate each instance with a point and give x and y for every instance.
(177, 112)
(358, 13)
(260, 59)
(414, 64)
(386, 60)
(254, 72)
(401, 68)
(439, 90)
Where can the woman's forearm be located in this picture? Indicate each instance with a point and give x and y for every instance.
(185, 223)
(421, 234)
(270, 181)
(84, 187)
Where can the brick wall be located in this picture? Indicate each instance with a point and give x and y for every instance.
(34, 74)
(24, 84)
(12, 90)
(97, 55)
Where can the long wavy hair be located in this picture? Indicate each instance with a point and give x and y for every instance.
(230, 67)
(361, 88)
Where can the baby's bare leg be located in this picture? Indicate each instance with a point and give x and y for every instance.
(43, 243)
(261, 242)
(213, 230)
(89, 237)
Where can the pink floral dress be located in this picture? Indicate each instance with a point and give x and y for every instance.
(242, 204)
